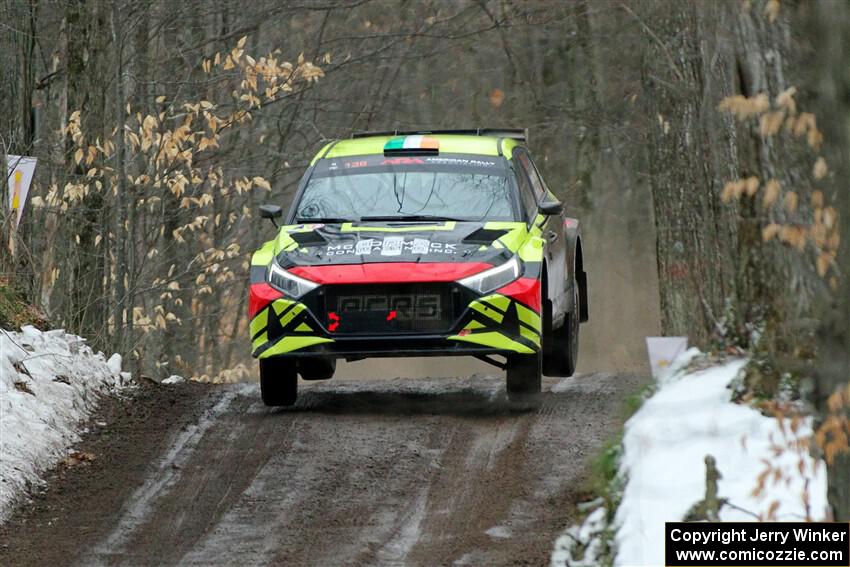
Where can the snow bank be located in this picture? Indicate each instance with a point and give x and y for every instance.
(49, 383)
(581, 545)
(665, 444)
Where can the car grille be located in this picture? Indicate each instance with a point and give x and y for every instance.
(387, 309)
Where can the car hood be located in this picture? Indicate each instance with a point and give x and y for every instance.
(373, 242)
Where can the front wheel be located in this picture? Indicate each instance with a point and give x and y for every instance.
(561, 348)
(278, 381)
(524, 375)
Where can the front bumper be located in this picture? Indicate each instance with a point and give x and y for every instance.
(504, 322)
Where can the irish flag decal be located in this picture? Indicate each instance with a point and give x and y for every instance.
(412, 143)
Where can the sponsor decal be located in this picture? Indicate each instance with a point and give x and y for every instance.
(364, 247)
(402, 161)
(461, 161)
(391, 246)
(420, 246)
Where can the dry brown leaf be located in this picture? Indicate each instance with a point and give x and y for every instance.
(830, 216)
(22, 386)
(770, 231)
(821, 169)
(818, 235)
(817, 199)
(785, 100)
(728, 192)
(771, 10)
(78, 457)
(834, 241)
(752, 185)
(814, 138)
(771, 192)
(790, 201)
(496, 97)
(771, 122)
(823, 262)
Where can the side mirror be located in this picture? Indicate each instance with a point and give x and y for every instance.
(550, 208)
(271, 212)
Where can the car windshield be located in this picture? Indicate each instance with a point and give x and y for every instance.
(381, 189)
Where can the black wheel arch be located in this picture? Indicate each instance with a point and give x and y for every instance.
(581, 280)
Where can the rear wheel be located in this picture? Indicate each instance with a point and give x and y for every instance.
(524, 375)
(278, 381)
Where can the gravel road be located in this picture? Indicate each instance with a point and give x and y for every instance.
(375, 472)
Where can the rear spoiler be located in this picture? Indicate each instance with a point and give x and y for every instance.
(520, 134)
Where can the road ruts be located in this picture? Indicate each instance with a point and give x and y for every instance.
(377, 472)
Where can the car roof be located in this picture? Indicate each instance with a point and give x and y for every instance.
(449, 144)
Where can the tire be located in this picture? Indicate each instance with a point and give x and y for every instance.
(524, 375)
(278, 381)
(561, 347)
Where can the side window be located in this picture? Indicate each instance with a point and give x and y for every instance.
(526, 194)
(536, 180)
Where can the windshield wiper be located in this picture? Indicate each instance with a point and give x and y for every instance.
(410, 218)
(325, 220)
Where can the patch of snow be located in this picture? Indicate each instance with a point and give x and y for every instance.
(580, 545)
(666, 442)
(114, 363)
(499, 532)
(49, 383)
(173, 379)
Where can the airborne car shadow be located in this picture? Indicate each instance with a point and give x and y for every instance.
(380, 398)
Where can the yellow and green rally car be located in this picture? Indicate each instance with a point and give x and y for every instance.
(434, 243)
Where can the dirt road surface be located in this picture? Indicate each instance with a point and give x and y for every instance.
(391, 472)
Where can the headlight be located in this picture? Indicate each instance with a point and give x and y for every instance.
(289, 284)
(494, 278)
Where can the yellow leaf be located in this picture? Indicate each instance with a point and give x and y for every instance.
(160, 99)
(97, 239)
(241, 43)
(817, 199)
(78, 155)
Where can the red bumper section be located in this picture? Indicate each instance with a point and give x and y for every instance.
(260, 295)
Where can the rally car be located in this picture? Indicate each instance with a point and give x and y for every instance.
(437, 243)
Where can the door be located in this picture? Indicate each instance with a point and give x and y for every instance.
(553, 230)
